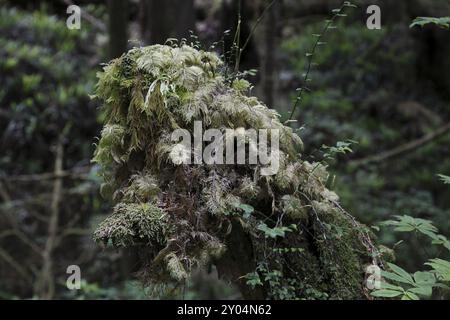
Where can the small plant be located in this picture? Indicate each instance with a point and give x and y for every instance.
(420, 284)
(443, 22)
(329, 25)
(342, 147)
(444, 179)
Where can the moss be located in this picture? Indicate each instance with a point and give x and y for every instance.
(191, 215)
(134, 224)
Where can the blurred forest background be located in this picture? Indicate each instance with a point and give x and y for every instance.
(387, 91)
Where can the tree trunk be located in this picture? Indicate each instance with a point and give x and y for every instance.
(117, 27)
(269, 72)
(166, 19)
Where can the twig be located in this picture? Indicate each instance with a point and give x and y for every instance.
(43, 198)
(240, 50)
(47, 282)
(5, 256)
(336, 13)
(20, 235)
(255, 26)
(405, 148)
(81, 174)
(4, 192)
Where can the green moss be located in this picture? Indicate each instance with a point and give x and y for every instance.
(134, 224)
(149, 92)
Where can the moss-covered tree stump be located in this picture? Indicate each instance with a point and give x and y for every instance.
(281, 236)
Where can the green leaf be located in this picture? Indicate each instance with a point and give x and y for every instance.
(408, 224)
(423, 278)
(248, 209)
(253, 279)
(402, 273)
(385, 293)
(394, 277)
(443, 22)
(422, 291)
(388, 286)
(274, 232)
(410, 296)
(441, 267)
(444, 179)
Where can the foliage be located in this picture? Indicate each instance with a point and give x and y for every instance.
(46, 73)
(345, 101)
(443, 22)
(342, 147)
(45, 83)
(329, 24)
(421, 283)
(444, 178)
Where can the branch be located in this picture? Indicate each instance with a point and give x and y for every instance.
(14, 264)
(80, 173)
(47, 282)
(4, 192)
(405, 148)
(21, 236)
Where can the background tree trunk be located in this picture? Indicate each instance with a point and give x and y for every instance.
(166, 19)
(269, 68)
(117, 27)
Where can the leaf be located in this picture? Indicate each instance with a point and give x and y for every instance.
(273, 232)
(402, 273)
(424, 278)
(445, 179)
(422, 291)
(253, 279)
(385, 293)
(443, 22)
(410, 296)
(408, 224)
(386, 285)
(394, 277)
(441, 267)
(248, 209)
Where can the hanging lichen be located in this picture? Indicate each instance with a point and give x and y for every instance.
(281, 236)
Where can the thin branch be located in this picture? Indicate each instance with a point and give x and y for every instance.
(47, 281)
(252, 31)
(4, 192)
(42, 198)
(256, 25)
(80, 173)
(20, 235)
(336, 13)
(405, 148)
(5, 256)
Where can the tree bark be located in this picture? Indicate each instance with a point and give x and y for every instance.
(269, 63)
(239, 260)
(117, 27)
(166, 19)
